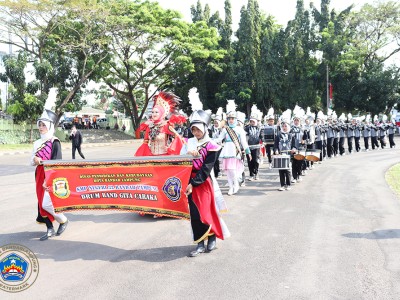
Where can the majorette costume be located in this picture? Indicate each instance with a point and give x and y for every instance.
(231, 155)
(48, 147)
(204, 217)
(158, 130)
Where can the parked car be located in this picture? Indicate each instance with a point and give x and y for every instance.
(102, 123)
(68, 122)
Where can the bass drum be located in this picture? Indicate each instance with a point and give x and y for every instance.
(313, 155)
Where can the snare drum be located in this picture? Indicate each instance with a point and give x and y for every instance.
(300, 155)
(281, 162)
(313, 154)
(269, 135)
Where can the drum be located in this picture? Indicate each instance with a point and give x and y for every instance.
(281, 162)
(269, 135)
(300, 155)
(313, 154)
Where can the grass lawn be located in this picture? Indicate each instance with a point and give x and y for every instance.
(393, 178)
(15, 147)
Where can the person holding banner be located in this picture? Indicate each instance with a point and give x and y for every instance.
(204, 218)
(48, 147)
(159, 130)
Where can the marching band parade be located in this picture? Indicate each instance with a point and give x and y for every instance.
(224, 144)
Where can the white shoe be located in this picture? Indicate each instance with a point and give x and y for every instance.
(293, 181)
(256, 177)
(230, 192)
(235, 190)
(250, 178)
(288, 188)
(299, 180)
(281, 189)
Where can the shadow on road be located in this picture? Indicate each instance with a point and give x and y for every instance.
(67, 250)
(375, 235)
(120, 217)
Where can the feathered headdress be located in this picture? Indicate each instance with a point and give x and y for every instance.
(48, 116)
(349, 117)
(198, 115)
(270, 114)
(342, 117)
(168, 101)
(241, 116)
(285, 117)
(334, 115)
(309, 114)
(320, 115)
(231, 109)
(375, 118)
(298, 113)
(384, 118)
(255, 114)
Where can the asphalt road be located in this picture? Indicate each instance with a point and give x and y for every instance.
(335, 235)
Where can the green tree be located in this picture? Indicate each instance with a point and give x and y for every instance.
(65, 41)
(152, 47)
(24, 106)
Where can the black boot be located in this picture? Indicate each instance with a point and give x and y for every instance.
(199, 249)
(50, 230)
(61, 228)
(50, 233)
(212, 242)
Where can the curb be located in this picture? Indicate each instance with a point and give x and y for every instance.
(69, 147)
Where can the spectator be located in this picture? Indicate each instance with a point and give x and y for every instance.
(76, 138)
(95, 122)
(123, 127)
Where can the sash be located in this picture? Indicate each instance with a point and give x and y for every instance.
(234, 138)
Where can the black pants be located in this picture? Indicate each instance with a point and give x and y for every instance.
(366, 144)
(350, 143)
(335, 146)
(382, 140)
(391, 140)
(285, 177)
(253, 163)
(318, 145)
(297, 168)
(324, 148)
(74, 148)
(199, 228)
(341, 145)
(329, 146)
(269, 148)
(374, 142)
(216, 165)
(357, 143)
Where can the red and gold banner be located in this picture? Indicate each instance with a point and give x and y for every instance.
(151, 185)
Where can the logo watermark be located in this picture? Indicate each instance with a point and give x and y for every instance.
(19, 268)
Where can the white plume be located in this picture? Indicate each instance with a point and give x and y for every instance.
(286, 115)
(194, 99)
(368, 118)
(342, 117)
(349, 117)
(51, 99)
(270, 112)
(230, 106)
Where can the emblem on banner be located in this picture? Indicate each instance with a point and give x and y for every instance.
(172, 188)
(61, 187)
(19, 268)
